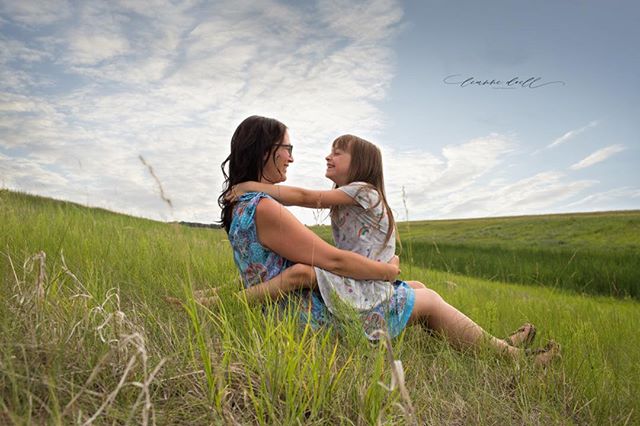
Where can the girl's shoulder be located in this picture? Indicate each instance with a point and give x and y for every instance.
(364, 193)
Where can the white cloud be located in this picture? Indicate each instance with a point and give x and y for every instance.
(364, 21)
(432, 182)
(535, 194)
(36, 12)
(89, 49)
(597, 157)
(14, 50)
(28, 175)
(171, 82)
(571, 134)
(80, 103)
(625, 197)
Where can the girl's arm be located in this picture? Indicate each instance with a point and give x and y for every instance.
(294, 277)
(281, 232)
(294, 196)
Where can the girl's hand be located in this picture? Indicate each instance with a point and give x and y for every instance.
(237, 191)
(232, 195)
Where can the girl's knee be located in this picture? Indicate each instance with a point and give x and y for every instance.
(416, 285)
(429, 297)
(435, 296)
(428, 307)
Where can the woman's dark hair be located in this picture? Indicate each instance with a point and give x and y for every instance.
(252, 141)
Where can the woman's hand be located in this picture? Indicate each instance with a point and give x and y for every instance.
(395, 261)
(301, 245)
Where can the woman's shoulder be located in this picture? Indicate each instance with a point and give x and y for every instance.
(265, 204)
(250, 203)
(253, 199)
(253, 196)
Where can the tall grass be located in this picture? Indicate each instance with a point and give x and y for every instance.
(593, 271)
(594, 253)
(87, 338)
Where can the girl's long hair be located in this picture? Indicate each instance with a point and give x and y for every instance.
(251, 144)
(366, 166)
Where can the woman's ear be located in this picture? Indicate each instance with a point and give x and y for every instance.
(268, 154)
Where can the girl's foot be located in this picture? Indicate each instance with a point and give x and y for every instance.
(523, 336)
(545, 356)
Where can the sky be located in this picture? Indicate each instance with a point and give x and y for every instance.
(481, 109)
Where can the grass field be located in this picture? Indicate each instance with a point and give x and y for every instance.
(88, 338)
(594, 253)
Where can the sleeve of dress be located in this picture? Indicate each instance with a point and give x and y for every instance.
(363, 193)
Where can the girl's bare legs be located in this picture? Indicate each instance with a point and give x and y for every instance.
(431, 310)
(416, 285)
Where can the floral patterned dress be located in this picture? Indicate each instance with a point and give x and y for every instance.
(258, 264)
(362, 228)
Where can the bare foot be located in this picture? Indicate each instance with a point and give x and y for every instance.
(544, 357)
(523, 336)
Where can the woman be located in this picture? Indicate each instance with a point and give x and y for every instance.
(265, 237)
(257, 221)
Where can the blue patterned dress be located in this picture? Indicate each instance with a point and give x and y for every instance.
(258, 264)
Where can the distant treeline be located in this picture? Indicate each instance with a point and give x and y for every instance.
(200, 225)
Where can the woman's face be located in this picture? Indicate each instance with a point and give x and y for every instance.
(277, 161)
(338, 163)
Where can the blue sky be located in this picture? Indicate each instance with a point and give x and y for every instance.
(88, 87)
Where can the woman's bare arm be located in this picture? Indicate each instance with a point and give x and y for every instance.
(294, 277)
(295, 196)
(281, 232)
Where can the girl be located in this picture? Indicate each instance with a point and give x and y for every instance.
(362, 222)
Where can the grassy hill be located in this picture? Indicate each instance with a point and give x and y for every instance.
(87, 336)
(594, 253)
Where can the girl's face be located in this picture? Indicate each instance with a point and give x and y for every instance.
(338, 163)
(277, 161)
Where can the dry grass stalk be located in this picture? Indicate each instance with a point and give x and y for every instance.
(153, 174)
(397, 375)
(112, 396)
(74, 278)
(41, 277)
(92, 376)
